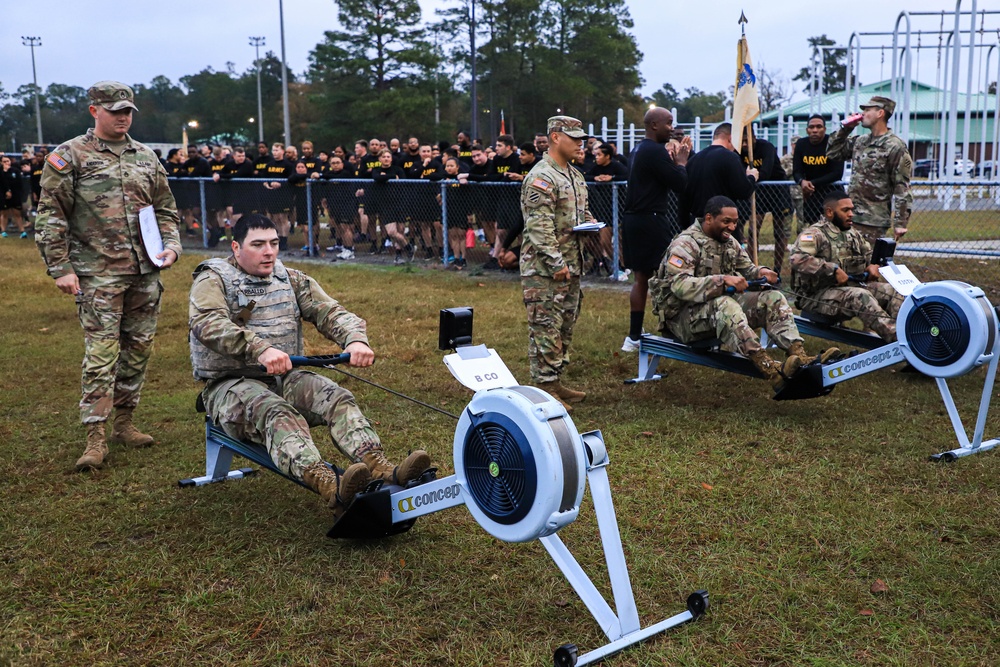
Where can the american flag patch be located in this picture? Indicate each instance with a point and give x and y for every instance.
(540, 184)
(676, 261)
(56, 161)
(807, 237)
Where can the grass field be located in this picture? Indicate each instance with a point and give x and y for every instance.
(788, 513)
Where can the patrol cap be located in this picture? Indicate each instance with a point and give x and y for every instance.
(882, 103)
(112, 95)
(568, 125)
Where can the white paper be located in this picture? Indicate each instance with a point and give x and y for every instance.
(150, 233)
(589, 227)
(489, 372)
(900, 277)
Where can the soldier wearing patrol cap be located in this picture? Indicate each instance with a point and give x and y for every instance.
(880, 171)
(553, 201)
(93, 188)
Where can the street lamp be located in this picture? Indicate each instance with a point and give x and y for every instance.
(33, 42)
(258, 42)
(284, 75)
(184, 133)
(472, 47)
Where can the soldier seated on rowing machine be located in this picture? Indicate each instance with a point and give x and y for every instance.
(832, 275)
(246, 316)
(691, 295)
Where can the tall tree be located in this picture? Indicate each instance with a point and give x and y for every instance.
(366, 75)
(834, 63)
(539, 56)
(710, 107)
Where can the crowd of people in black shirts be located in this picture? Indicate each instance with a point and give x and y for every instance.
(398, 207)
(406, 218)
(20, 188)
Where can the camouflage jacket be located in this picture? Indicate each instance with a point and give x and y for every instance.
(219, 320)
(88, 214)
(553, 201)
(880, 176)
(693, 269)
(820, 250)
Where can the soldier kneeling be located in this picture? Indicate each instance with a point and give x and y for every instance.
(830, 254)
(246, 317)
(690, 295)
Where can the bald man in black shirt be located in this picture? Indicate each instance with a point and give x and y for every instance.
(657, 168)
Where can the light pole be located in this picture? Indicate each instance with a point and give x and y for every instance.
(33, 42)
(284, 74)
(472, 45)
(258, 42)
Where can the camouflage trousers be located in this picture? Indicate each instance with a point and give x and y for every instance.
(798, 206)
(553, 307)
(118, 315)
(278, 415)
(875, 305)
(733, 320)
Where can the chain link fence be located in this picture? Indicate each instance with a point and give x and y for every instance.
(954, 226)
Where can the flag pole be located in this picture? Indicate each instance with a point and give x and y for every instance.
(753, 198)
(748, 127)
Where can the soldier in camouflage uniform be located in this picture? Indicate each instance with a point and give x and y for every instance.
(690, 295)
(825, 257)
(246, 316)
(93, 188)
(880, 171)
(553, 201)
(794, 190)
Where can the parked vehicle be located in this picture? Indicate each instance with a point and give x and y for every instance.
(925, 168)
(987, 168)
(964, 167)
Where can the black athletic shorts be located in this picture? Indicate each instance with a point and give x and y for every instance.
(645, 237)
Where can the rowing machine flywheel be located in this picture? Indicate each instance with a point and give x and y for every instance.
(519, 461)
(946, 328)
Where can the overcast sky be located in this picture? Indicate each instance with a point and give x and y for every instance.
(684, 43)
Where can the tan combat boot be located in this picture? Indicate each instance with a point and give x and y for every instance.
(774, 372)
(550, 388)
(124, 431)
(337, 490)
(97, 448)
(411, 468)
(566, 394)
(797, 350)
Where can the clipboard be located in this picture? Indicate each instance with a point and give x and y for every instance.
(149, 232)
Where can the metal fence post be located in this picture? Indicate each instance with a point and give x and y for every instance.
(614, 228)
(204, 212)
(313, 251)
(445, 241)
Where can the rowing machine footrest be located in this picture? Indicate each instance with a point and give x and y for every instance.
(369, 516)
(806, 383)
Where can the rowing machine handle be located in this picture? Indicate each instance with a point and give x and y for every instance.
(756, 285)
(861, 279)
(321, 360)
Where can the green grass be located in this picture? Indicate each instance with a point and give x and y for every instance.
(925, 225)
(786, 512)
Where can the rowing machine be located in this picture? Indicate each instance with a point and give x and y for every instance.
(708, 352)
(520, 468)
(945, 329)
